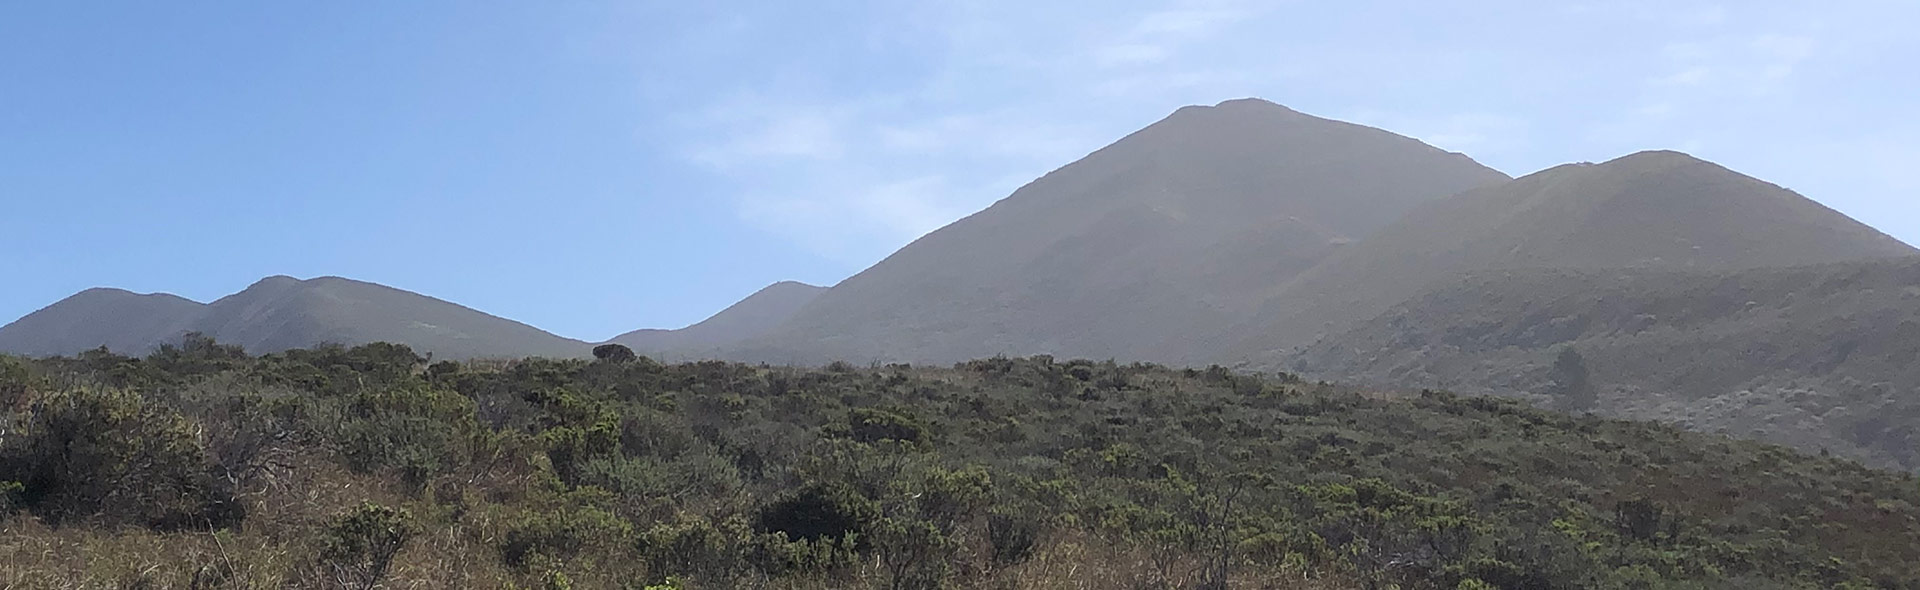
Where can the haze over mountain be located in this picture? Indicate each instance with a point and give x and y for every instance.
(279, 313)
(1146, 249)
(749, 318)
(1662, 210)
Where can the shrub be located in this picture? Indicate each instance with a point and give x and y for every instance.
(414, 430)
(1013, 536)
(358, 546)
(107, 454)
(817, 512)
(572, 449)
(870, 425)
(563, 535)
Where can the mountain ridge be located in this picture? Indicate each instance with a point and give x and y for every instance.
(278, 313)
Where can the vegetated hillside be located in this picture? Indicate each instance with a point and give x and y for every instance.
(1661, 210)
(201, 467)
(1819, 357)
(279, 313)
(1146, 249)
(751, 317)
(113, 318)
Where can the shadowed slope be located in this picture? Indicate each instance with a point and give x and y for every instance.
(1819, 357)
(1657, 210)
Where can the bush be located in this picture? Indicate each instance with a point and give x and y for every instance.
(817, 512)
(549, 538)
(413, 430)
(107, 454)
(1013, 536)
(869, 425)
(358, 546)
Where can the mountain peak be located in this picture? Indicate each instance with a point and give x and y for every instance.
(1252, 103)
(1170, 232)
(1649, 161)
(788, 285)
(104, 292)
(275, 281)
(1239, 108)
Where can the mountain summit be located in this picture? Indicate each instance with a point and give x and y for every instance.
(1139, 250)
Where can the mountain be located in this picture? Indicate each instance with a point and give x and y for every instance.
(1145, 249)
(751, 317)
(1819, 357)
(114, 318)
(275, 314)
(1650, 210)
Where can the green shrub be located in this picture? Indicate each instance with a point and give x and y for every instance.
(108, 454)
(358, 546)
(547, 538)
(413, 430)
(571, 449)
(870, 425)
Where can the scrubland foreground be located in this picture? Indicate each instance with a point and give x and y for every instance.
(200, 466)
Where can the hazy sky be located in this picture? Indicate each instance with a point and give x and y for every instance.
(591, 168)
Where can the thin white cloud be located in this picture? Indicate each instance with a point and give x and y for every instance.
(1130, 54)
(1741, 65)
(853, 163)
(839, 221)
(1185, 23)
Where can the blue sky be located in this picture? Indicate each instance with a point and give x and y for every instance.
(591, 168)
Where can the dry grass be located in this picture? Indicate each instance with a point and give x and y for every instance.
(39, 557)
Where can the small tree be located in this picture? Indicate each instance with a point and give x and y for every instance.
(15, 381)
(614, 353)
(1640, 519)
(1572, 383)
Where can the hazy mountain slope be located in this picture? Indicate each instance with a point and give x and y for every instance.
(276, 314)
(279, 313)
(1818, 357)
(117, 319)
(1647, 210)
(1146, 249)
(750, 317)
